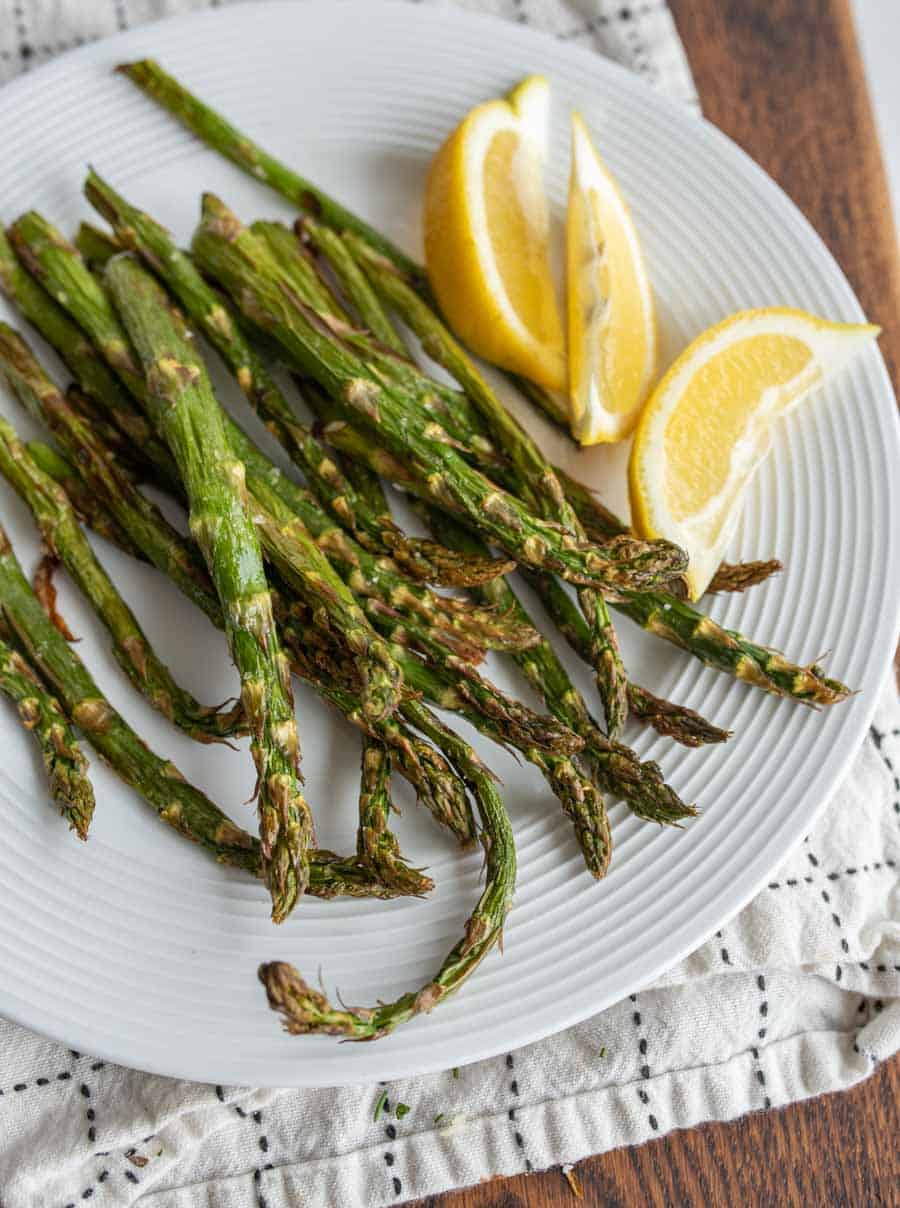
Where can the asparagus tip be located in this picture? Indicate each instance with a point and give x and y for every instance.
(304, 1010)
(76, 803)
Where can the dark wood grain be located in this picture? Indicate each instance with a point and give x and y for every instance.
(785, 80)
(839, 1150)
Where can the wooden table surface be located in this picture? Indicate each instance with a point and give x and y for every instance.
(785, 80)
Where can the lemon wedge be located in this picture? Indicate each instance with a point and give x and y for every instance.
(611, 316)
(708, 423)
(486, 235)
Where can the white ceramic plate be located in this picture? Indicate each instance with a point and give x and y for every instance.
(136, 947)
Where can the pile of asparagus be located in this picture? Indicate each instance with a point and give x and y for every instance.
(318, 580)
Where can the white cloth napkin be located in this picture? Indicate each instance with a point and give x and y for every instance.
(797, 996)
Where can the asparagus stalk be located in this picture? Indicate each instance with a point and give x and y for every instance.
(435, 785)
(617, 769)
(674, 721)
(596, 519)
(181, 402)
(577, 794)
(660, 613)
(219, 134)
(459, 688)
(432, 398)
(234, 256)
(54, 324)
(364, 479)
(377, 845)
(301, 267)
(308, 571)
(679, 622)
(177, 803)
(448, 404)
(534, 476)
(454, 621)
(305, 1010)
(579, 797)
(678, 722)
(367, 477)
(331, 247)
(725, 650)
(414, 634)
(88, 508)
(376, 530)
(367, 574)
(370, 576)
(64, 762)
(365, 462)
(356, 444)
(56, 264)
(142, 523)
(437, 788)
(455, 412)
(601, 524)
(379, 575)
(96, 246)
(139, 232)
(609, 670)
(331, 876)
(507, 722)
(63, 537)
(103, 428)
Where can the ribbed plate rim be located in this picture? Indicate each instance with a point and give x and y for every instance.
(514, 1031)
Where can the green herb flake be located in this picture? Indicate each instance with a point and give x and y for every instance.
(455, 1071)
(603, 1051)
(402, 1110)
(439, 1117)
(379, 1107)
